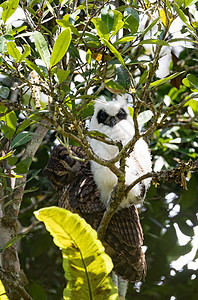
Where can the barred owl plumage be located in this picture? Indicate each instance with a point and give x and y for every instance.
(84, 187)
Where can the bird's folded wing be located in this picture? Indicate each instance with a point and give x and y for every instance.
(78, 191)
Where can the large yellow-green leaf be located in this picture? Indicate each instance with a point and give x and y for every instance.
(2, 292)
(9, 8)
(113, 50)
(60, 47)
(85, 263)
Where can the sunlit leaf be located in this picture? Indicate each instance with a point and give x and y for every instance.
(13, 51)
(113, 50)
(114, 87)
(154, 41)
(166, 79)
(2, 292)
(144, 117)
(9, 127)
(183, 17)
(34, 67)
(25, 53)
(131, 21)
(101, 27)
(62, 75)
(9, 8)
(42, 48)
(163, 17)
(60, 47)
(124, 40)
(107, 16)
(88, 56)
(6, 155)
(2, 44)
(85, 263)
(65, 22)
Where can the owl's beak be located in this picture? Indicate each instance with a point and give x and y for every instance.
(111, 121)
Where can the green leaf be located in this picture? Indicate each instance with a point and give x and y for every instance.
(25, 53)
(42, 48)
(9, 8)
(22, 138)
(166, 79)
(4, 91)
(13, 51)
(34, 67)
(62, 75)
(114, 87)
(65, 23)
(150, 26)
(131, 111)
(117, 22)
(85, 263)
(2, 292)
(107, 16)
(88, 56)
(9, 127)
(113, 50)
(91, 40)
(23, 166)
(131, 21)
(2, 44)
(144, 117)
(23, 125)
(189, 2)
(11, 242)
(154, 41)
(124, 40)
(60, 47)
(122, 76)
(183, 17)
(101, 27)
(6, 155)
(193, 80)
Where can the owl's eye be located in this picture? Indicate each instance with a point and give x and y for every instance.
(121, 114)
(102, 116)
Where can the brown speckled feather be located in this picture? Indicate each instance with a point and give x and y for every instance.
(74, 182)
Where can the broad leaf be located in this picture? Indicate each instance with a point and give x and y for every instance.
(101, 27)
(131, 21)
(114, 87)
(85, 263)
(25, 53)
(183, 17)
(124, 40)
(4, 91)
(166, 79)
(113, 50)
(2, 292)
(60, 47)
(62, 75)
(23, 166)
(13, 51)
(34, 67)
(42, 48)
(9, 127)
(144, 117)
(22, 138)
(107, 16)
(9, 8)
